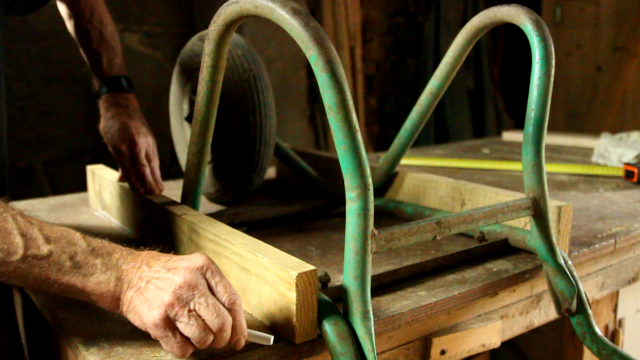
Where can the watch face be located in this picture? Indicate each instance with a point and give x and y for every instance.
(21, 7)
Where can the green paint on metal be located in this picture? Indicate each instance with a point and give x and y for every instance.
(586, 327)
(340, 110)
(433, 228)
(336, 331)
(298, 166)
(517, 237)
(563, 287)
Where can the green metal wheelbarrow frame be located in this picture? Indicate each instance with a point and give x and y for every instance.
(565, 287)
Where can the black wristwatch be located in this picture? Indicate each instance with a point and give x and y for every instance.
(118, 83)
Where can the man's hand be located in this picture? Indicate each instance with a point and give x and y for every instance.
(122, 125)
(185, 302)
(131, 142)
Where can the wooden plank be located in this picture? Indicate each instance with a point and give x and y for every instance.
(444, 193)
(629, 317)
(466, 342)
(558, 339)
(418, 349)
(275, 287)
(521, 306)
(402, 321)
(585, 141)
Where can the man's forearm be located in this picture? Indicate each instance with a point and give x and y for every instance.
(91, 25)
(41, 256)
(182, 301)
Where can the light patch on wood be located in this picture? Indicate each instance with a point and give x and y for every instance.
(629, 317)
(466, 342)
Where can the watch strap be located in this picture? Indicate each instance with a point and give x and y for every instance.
(118, 83)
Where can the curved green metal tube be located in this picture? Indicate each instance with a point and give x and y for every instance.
(336, 331)
(535, 181)
(344, 126)
(298, 166)
(587, 329)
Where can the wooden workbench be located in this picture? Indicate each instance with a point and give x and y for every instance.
(506, 287)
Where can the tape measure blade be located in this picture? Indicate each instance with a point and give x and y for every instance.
(506, 165)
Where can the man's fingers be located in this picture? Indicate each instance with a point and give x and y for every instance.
(229, 298)
(239, 326)
(154, 163)
(194, 328)
(172, 340)
(125, 168)
(143, 173)
(217, 317)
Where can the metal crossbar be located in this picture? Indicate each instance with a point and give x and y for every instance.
(436, 227)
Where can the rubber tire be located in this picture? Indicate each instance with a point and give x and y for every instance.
(245, 133)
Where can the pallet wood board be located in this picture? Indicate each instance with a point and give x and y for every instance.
(445, 193)
(275, 287)
(585, 141)
(465, 342)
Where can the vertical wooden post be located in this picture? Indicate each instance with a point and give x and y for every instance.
(342, 21)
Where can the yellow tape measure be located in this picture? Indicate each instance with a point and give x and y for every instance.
(480, 164)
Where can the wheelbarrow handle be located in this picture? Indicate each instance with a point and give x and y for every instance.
(540, 86)
(340, 110)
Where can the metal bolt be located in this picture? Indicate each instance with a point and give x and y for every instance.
(324, 280)
(480, 237)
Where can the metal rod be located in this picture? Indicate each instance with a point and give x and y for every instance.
(298, 166)
(517, 237)
(335, 330)
(340, 110)
(437, 227)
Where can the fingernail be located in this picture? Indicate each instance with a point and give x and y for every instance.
(238, 344)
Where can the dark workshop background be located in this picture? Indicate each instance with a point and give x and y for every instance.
(391, 50)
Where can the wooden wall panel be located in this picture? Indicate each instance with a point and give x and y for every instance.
(597, 45)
